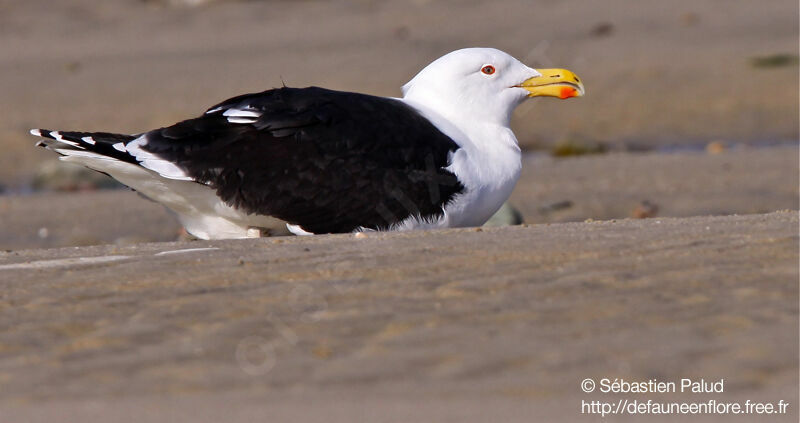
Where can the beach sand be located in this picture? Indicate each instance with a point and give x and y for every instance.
(455, 325)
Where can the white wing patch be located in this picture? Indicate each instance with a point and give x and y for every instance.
(242, 115)
(150, 161)
(240, 120)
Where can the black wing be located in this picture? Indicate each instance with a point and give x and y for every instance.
(325, 160)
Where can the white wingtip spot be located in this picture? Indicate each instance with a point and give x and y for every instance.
(88, 140)
(36, 132)
(57, 136)
(214, 110)
(120, 147)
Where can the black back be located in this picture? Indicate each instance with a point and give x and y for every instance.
(325, 160)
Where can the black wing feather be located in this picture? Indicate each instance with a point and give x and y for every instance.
(325, 160)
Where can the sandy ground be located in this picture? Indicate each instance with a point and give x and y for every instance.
(656, 73)
(459, 325)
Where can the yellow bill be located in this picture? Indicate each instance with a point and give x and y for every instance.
(559, 83)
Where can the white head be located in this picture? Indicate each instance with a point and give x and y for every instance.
(485, 84)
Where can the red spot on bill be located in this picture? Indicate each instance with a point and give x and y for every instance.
(567, 92)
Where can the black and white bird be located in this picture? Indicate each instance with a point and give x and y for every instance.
(328, 161)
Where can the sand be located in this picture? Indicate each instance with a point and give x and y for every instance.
(454, 325)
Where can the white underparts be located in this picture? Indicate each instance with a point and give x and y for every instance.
(297, 230)
(197, 206)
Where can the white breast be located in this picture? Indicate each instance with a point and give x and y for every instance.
(488, 174)
(488, 164)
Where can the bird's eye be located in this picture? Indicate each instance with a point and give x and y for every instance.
(488, 69)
